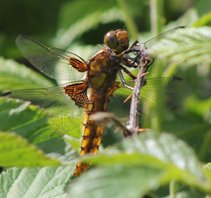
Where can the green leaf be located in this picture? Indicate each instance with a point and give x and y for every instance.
(116, 181)
(67, 126)
(70, 10)
(24, 119)
(205, 20)
(187, 194)
(207, 169)
(64, 38)
(203, 7)
(31, 123)
(70, 127)
(164, 152)
(198, 107)
(16, 76)
(188, 46)
(16, 151)
(45, 182)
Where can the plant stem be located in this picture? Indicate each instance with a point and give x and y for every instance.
(156, 16)
(128, 19)
(133, 123)
(172, 189)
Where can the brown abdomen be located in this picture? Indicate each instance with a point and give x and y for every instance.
(101, 79)
(91, 134)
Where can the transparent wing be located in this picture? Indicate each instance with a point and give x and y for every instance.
(55, 63)
(139, 53)
(168, 89)
(53, 100)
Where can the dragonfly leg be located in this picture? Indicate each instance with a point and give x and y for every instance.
(148, 61)
(124, 81)
(128, 72)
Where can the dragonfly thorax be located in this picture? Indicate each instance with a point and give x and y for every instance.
(117, 40)
(102, 70)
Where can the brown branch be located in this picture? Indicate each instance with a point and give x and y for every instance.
(133, 123)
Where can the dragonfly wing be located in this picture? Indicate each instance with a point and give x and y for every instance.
(166, 87)
(118, 104)
(55, 63)
(78, 93)
(53, 100)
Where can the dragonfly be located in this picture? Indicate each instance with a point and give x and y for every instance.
(93, 92)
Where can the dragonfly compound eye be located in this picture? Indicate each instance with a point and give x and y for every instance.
(111, 40)
(117, 40)
(123, 40)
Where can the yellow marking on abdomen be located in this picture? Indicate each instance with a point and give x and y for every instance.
(91, 136)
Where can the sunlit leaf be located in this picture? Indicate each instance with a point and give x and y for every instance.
(31, 123)
(35, 182)
(188, 46)
(164, 152)
(199, 107)
(16, 76)
(116, 181)
(16, 151)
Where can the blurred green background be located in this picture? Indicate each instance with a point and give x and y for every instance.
(81, 21)
(79, 26)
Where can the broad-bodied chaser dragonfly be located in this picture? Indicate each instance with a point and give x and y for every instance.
(94, 91)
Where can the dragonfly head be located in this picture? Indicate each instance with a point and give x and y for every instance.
(117, 40)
